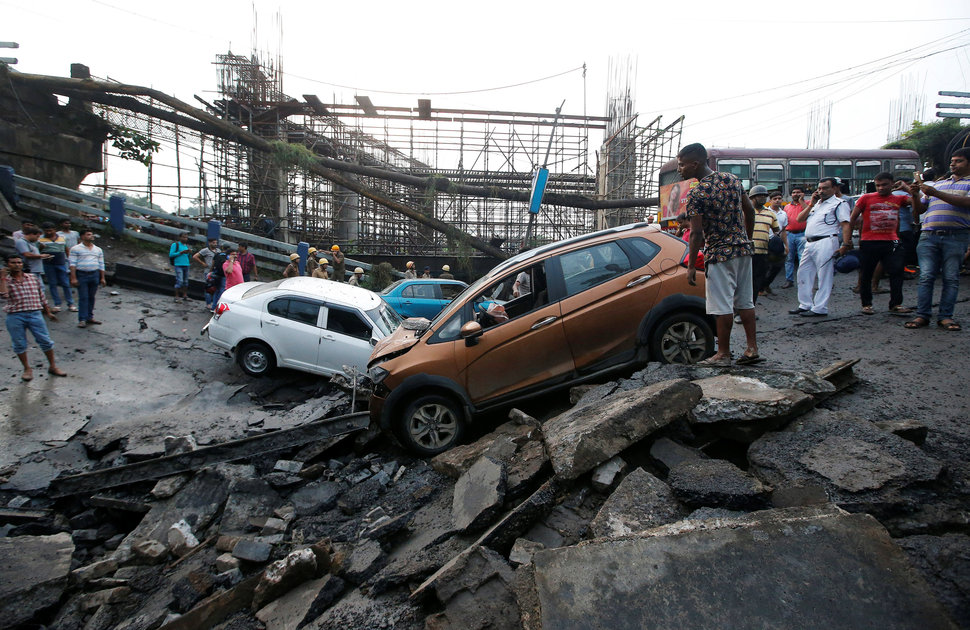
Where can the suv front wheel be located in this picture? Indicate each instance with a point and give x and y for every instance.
(430, 424)
(682, 338)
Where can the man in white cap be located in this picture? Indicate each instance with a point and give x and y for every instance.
(446, 273)
(355, 279)
(293, 269)
(409, 272)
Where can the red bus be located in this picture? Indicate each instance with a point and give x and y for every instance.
(780, 169)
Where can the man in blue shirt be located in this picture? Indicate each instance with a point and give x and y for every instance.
(943, 241)
(178, 253)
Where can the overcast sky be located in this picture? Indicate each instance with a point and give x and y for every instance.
(743, 73)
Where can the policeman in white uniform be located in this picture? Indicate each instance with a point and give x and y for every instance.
(827, 218)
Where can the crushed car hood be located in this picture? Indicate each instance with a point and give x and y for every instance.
(401, 339)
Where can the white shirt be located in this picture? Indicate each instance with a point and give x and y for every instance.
(782, 218)
(826, 216)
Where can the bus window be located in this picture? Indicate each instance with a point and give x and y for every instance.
(804, 173)
(739, 168)
(837, 168)
(904, 168)
(865, 171)
(772, 176)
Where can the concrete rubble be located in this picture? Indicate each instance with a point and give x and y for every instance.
(605, 514)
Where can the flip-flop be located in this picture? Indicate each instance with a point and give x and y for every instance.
(868, 310)
(749, 359)
(26, 378)
(949, 324)
(901, 310)
(917, 322)
(58, 372)
(712, 362)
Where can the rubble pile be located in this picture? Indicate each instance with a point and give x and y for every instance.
(678, 497)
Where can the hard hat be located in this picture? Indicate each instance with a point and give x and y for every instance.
(312, 250)
(358, 270)
(445, 268)
(335, 248)
(409, 264)
(322, 258)
(294, 256)
(757, 190)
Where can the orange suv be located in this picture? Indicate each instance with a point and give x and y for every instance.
(551, 317)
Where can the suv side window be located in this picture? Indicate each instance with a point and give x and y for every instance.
(585, 268)
(515, 294)
(646, 249)
(347, 323)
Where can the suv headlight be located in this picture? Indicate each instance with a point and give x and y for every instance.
(377, 374)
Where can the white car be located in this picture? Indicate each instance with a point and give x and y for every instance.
(306, 324)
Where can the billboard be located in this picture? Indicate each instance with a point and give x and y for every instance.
(673, 199)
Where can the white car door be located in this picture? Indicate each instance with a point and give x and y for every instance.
(292, 327)
(346, 340)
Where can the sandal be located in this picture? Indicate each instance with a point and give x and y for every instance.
(917, 322)
(868, 310)
(711, 361)
(900, 310)
(949, 324)
(749, 359)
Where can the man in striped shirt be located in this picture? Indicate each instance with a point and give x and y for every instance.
(25, 305)
(943, 241)
(87, 274)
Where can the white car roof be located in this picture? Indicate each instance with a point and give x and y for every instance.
(332, 291)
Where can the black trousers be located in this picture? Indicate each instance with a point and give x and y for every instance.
(759, 274)
(890, 253)
(908, 241)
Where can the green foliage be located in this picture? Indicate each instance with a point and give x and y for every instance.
(380, 276)
(286, 155)
(929, 140)
(133, 145)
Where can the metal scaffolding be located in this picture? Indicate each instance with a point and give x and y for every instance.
(252, 190)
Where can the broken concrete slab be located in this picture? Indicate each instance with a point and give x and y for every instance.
(150, 552)
(479, 494)
(519, 519)
(366, 559)
(640, 502)
(861, 467)
(168, 486)
(283, 575)
(584, 437)
(668, 453)
(216, 608)
(248, 498)
(745, 407)
(840, 571)
(944, 562)
(316, 497)
(523, 550)
(252, 550)
(468, 570)
(181, 540)
(717, 483)
(302, 605)
(606, 474)
(33, 574)
(907, 428)
(840, 374)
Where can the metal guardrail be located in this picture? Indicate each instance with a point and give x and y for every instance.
(43, 192)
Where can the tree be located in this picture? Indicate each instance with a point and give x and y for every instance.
(930, 141)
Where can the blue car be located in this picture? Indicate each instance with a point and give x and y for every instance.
(421, 297)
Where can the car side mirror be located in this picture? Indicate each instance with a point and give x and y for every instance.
(470, 332)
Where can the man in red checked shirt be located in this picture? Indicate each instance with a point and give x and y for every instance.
(25, 304)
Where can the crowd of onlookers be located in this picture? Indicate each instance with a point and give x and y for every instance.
(903, 227)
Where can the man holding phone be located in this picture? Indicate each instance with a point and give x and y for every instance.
(25, 306)
(796, 235)
(826, 218)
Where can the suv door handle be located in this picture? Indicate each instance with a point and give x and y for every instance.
(640, 280)
(543, 322)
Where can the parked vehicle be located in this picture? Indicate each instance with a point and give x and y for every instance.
(304, 323)
(548, 318)
(422, 297)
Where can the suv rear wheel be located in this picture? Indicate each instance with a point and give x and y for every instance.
(430, 424)
(255, 358)
(682, 338)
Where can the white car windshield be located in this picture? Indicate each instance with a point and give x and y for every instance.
(385, 318)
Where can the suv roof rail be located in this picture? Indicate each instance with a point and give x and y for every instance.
(514, 260)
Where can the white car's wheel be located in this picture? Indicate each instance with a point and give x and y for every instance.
(255, 358)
